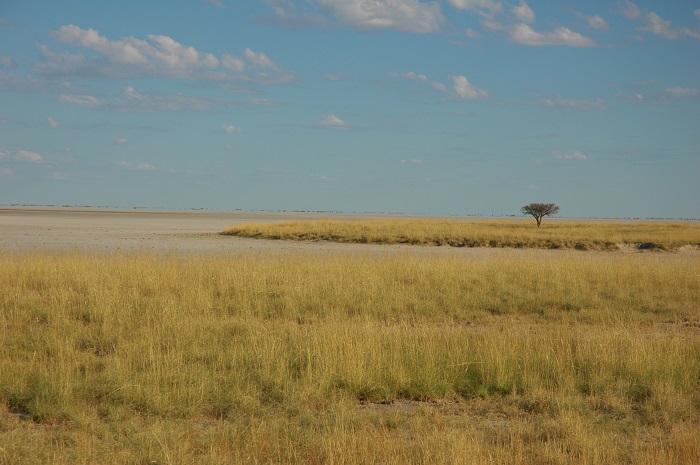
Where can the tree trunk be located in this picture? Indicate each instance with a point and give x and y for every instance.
(539, 220)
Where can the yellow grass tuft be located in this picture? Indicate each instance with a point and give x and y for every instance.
(582, 235)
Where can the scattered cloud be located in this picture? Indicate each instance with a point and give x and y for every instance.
(233, 63)
(22, 156)
(7, 172)
(145, 167)
(471, 33)
(59, 175)
(575, 155)
(7, 61)
(402, 15)
(155, 56)
(414, 76)
(52, 122)
(629, 10)
(264, 102)
(121, 141)
(216, 3)
(594, 22)
(439, 86)
(525, 35)
(132, 100)
(523, 12)
(465, 90)
(681, 92)
(287, 14)
(490, 5)
(230, 129)
(81, 100)
(30, 84)
(651, 92)
(415, 161)
(597, 104)
(260, 60)
(335, 76)
(655, 24)
(332, 121)
(661, 27)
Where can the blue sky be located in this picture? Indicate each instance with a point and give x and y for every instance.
(450, 107)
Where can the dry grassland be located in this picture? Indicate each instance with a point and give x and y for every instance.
(582, 235)
(350, 359)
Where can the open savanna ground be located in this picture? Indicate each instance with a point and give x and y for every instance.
(350, 358)
(554, 234)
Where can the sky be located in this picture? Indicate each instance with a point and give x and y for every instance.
(449, 107)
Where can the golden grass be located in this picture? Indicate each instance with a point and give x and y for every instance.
(582, 235)
(526, 358)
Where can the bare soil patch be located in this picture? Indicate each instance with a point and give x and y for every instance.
(196, 232)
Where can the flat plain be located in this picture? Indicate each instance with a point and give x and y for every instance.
(149, 337)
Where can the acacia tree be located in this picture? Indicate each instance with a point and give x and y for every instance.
(539, 210)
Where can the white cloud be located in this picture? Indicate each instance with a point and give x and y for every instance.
(415, 161)
(81, 100)
(263, 102)
(525, 35)
(6, 172)
(146, 167)
(659, 26)
(121, 141)
(682, 92)
(259, 59)
(492, 6)
(52, 122)
(471, 33)
(7, 61)
(230, 129)
(656, 24)
(595, 22)
(332, 121)
(523, 12)
(133, 100)
(465, 90)
(598, 104)
(22, 156)
(286, 15)
(402, 15)
(439, 86)
(157, 55)
(233, 63)
(575, 155)
(630, 11)
(414, 76)
(216, 3)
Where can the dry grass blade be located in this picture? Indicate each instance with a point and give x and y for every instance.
(350, 358)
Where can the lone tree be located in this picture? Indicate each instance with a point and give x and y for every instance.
(539, 210)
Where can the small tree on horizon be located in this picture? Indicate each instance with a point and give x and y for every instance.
(539, 210)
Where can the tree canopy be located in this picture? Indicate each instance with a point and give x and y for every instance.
(539, 210)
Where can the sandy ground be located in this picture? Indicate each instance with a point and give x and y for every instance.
(182, 232)
(110, 231)
(114, 231)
